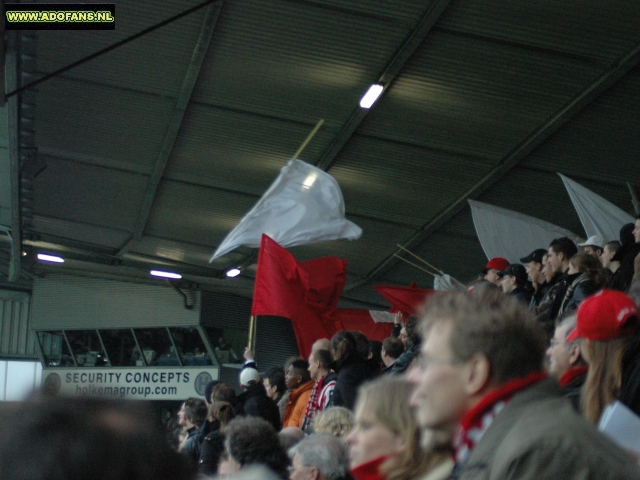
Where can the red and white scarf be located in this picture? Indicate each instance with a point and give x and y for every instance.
(478, 420)
(321, 396)
(571, 374)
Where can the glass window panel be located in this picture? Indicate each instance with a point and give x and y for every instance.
(156, 346)
(55, 350)
(21, 379)
(228, 343)
(121, 348)
(87, 348)
(190, 346)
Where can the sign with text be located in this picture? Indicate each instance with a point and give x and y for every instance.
(129, 383)
(60, 16)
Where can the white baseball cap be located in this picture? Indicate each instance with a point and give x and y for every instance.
(593, 241)
(247, 375)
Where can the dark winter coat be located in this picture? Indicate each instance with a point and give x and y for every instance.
(256, 403)
(350, 376)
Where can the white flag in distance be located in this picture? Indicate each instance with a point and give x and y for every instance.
(597, 215)
(512, 235)
(303, 205)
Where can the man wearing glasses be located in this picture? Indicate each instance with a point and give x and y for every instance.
(480, 375)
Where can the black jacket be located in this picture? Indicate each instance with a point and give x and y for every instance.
(404, 360)
(256, 403)
(624, 275)
(350, 376)
(550, 304)
(193, 444)
(561, 289)
(539, 294)
(580, 287)
(521, 294)
(212, 449)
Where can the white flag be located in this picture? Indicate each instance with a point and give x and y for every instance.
(446, 283)
(303, 205)
(512, 235)
(378, 316)
(597, 215)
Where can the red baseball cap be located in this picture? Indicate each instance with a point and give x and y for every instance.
(497, 263)
(604, 316)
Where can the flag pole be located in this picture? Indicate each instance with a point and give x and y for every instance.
(308, 139)
(252, 319)
(414, 265)
(252, 333)
(419, 258)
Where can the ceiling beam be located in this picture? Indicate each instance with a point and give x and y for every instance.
(188, 84)
(569, 110)
(11, 73)
(388, 75)
(74, 251)
(51, 75)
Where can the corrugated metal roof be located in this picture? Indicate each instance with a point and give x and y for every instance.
(475, 97)
(588, 28)
(93, 195)
(599, 138)
(80, 231)
(106, 122)
(487, 76)
(401, 183)
(402, 10)
(238, 151)
(16, 337)
(306, 64)
(155, 63)
(196, 214)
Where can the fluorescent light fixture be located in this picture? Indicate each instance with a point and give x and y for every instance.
(160, 273)
(43, 257)
(310, 180)
(371, 96)
(233, 272)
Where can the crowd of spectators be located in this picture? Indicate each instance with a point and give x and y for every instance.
(507, 380)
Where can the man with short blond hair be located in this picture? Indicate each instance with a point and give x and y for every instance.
(324, 385)
(480, 375)
(321, 344)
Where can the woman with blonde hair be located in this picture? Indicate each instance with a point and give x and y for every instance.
(338, 421)
(385, 443)
(609, 329)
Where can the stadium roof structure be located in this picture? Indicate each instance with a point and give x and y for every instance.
(146, 156)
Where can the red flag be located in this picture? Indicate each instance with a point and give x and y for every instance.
(356, 319)
(306, 293)
(404, 299)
